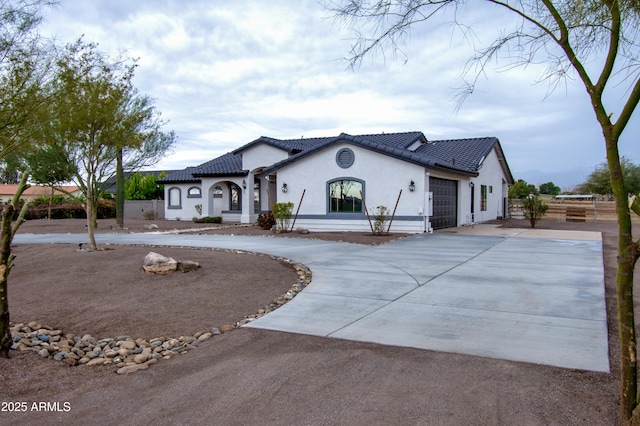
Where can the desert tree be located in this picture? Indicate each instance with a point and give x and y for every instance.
(143, 143)
(596, 41)
(24, 68)
(100, 119)
(48, 166)
(599, 181)
(549, 188)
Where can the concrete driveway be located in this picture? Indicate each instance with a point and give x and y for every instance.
(521, 295)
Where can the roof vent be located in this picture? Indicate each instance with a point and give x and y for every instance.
(345, 158)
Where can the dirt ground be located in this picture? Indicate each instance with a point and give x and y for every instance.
(249, 375)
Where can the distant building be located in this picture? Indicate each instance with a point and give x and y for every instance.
(7, 191)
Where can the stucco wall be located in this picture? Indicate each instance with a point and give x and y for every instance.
(187, 210)
(492, 176)
(383, 178)
(261, 155)
(136, 209)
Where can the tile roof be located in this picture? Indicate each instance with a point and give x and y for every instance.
(461, 156)
(229, 164)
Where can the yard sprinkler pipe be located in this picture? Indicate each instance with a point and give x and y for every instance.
(364, 204)
(394, 212)
(298, 210)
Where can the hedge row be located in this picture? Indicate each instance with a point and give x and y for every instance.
(68, 210)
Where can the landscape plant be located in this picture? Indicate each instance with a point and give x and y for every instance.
(282, 214)
(381, 217)
(266, 221)
(534, 209)
(99, 118)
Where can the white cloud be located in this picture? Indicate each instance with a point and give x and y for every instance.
(225, 73)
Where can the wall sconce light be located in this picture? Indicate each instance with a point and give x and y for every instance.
(471, 184)
(412, 186)
(244, 184)
(284, 187)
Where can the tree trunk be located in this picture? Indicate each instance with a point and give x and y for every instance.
(624, 283)
(6, 258)
(119, 191)
(91, 220)
(50, 205)
(5, 254)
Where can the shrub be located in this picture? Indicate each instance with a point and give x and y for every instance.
(69, 210)
(57, 198)
(266, 221)
(208, 219)
(534, 209)
(282, 214)
(149, 214)
(380, 220)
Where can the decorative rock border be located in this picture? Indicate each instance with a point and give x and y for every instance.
(125, 352)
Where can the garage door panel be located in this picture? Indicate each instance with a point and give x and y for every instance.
(445, 202)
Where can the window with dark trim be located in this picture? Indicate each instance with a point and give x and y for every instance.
(194, 192)
(345, 196)
(235, 197)
(217, 191)
(175, 198)
(483, 197)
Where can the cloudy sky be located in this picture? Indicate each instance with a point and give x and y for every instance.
(226, 73)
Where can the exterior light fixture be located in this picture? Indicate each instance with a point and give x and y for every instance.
(412, 186)
(471, 184)
(284, 187)
(244, 184)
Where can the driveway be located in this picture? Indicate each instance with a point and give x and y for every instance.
(518, 295)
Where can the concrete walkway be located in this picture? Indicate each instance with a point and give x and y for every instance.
(520, 295)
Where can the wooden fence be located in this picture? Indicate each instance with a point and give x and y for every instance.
(573, 211)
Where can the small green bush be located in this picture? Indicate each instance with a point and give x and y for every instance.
(282, 214)
(534, 208)
(208, 219)
(380, 220)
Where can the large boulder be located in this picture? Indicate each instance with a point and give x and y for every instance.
(155, 263)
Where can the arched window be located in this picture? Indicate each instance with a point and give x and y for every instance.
(194, 192)
(345, 195)
(175, 198)
(235, 198)
(217, 191)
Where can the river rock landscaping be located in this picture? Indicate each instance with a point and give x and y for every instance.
(126, 353)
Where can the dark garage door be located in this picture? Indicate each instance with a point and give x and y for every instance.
(445, 202)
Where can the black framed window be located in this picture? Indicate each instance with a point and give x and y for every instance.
(345, 196)
(235, 197)
(483, 197)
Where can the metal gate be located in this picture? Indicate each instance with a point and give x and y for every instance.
(445, 202)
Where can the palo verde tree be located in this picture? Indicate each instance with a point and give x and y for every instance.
(596, 41)
(24, 67)
(99, 117)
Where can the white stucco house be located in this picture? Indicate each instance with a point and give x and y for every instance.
(440, 183)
